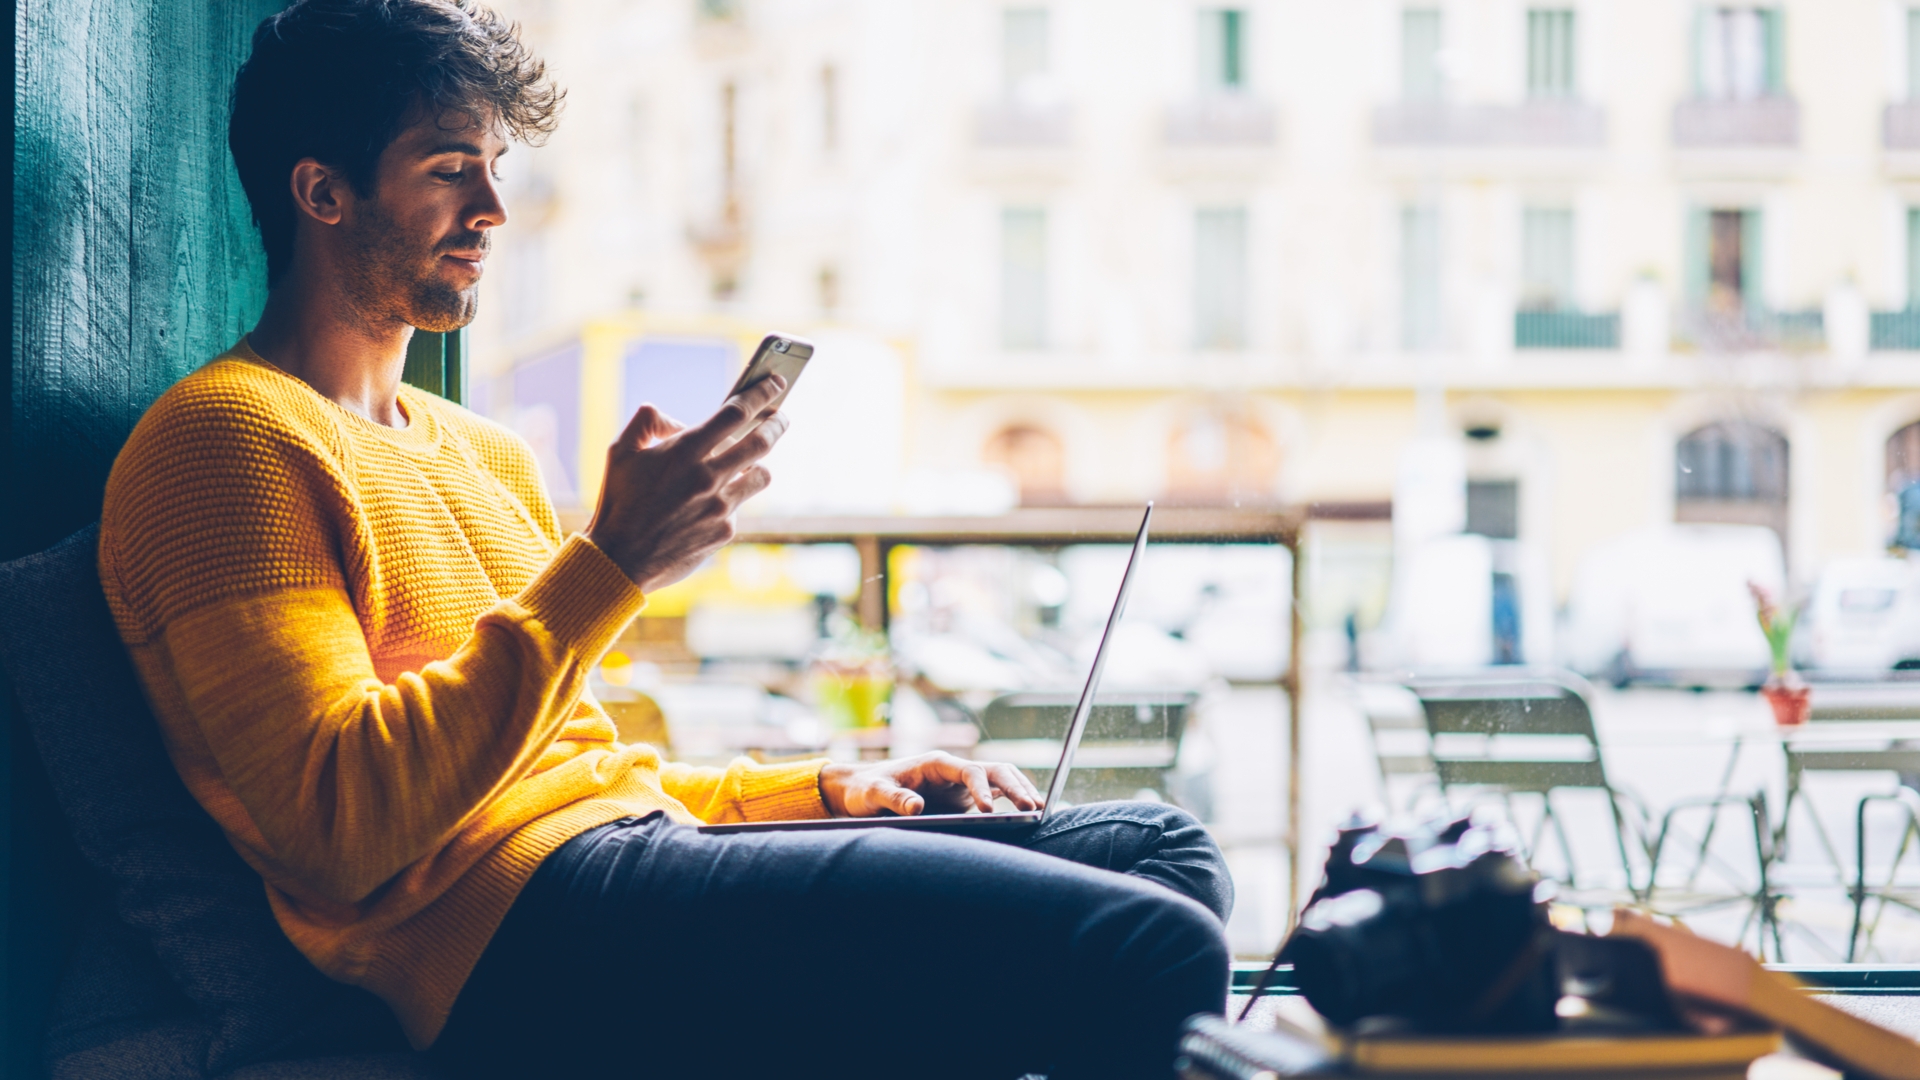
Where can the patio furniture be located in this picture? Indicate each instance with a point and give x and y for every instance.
(1891, 891)
(1530, 732)
(1130, 746)
(1402, 748)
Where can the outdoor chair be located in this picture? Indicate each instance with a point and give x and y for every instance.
(1530, 732)
(1128, 751)
(1892, 891)
(1402, 748)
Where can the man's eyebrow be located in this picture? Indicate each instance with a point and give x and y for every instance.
(467, 148)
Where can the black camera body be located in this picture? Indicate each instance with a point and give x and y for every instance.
(1439, 925)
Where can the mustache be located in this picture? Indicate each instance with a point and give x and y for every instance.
(467, 241)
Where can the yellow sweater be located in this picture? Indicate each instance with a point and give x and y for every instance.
(368, 651)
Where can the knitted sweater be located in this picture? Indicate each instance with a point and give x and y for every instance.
(368, 650)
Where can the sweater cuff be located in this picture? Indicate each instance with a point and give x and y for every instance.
(789, 791)
(583, 599)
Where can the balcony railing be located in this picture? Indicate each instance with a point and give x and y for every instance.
(1223, 120)
(1566, 330)
(1546, 125)
(1754, 329)
(1894, 330)
(1900, 126)
(1015, 124)
(1764, 123)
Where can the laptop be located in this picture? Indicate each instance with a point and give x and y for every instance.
(990, 824)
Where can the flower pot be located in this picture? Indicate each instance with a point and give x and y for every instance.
(1790, 699)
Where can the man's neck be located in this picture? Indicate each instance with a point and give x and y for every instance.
(314, 334)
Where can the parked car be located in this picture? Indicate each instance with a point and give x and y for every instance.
(1670, 604)
(1863, 619)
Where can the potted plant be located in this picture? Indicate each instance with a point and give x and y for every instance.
(1789, 696)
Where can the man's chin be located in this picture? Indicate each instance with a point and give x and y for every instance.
(441, 313)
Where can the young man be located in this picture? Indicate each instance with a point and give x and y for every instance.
(367, 642)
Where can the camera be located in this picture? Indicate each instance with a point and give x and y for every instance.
(1438, 924)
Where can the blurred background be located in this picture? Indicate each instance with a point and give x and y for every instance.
(1538, 332)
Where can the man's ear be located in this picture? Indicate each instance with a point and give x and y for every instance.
(319, 192)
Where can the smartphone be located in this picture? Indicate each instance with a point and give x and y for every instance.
(777, 355)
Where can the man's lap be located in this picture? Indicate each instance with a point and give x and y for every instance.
(878, 930)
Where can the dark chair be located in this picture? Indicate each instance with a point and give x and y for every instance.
(179, 971)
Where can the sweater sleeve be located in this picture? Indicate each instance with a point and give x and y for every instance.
(347, 778)
(748, 791)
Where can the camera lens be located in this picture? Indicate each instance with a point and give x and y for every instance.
(779, 346)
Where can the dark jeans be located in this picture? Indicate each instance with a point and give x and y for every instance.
(649, 949)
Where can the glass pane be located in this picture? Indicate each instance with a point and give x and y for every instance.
(1420, 277)
(1420, 54)
(1550, 54)
(1023, 47)
(1023, 277)
(1735, 60)
(1546, 257)
(1220, 278)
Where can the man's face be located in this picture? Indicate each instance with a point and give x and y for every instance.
(417, 244)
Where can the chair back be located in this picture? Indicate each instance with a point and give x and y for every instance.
(1530, 731)
(1132, 739)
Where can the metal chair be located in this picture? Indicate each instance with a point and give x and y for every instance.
(1907, 801)
(1128, 750)
(1529, 732)
(1402, 748)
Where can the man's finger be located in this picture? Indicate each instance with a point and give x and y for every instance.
(648, 424)
(1014, 784)
(753, 446)
(735, 414)
(903, 801)
(746, 485)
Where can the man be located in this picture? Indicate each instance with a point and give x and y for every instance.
(367, 642)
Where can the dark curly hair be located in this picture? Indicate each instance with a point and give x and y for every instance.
(336, 80)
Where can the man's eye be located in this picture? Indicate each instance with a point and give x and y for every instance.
(449, 177)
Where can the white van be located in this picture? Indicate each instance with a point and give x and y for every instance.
(1669, 603)
(1864, 618)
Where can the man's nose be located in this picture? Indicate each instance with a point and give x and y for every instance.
(488, 210)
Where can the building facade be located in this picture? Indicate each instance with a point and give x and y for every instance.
(1632, 261)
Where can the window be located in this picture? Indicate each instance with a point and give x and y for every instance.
(1546, 258)
(1222, 49)
(1732, 472)
(1419, 277)
(1740, 53)
(1913, 54)
(1725, 261)
(1221, 455)
(1493, 508)
(1420, 76)
(1036, 458)
(1023, 48)
(1913, 258)
(1220, 278)
(1023, 277)
(1550, 54)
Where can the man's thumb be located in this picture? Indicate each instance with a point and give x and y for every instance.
(903, 801)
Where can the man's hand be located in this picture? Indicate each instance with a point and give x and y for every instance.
(940, 781)
(668, 498)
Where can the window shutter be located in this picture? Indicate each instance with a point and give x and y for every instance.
(1773, 22)
(1699, 51)
(1696, 270)
(1752, 260)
